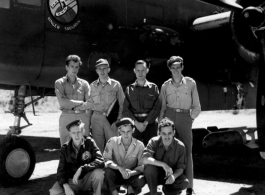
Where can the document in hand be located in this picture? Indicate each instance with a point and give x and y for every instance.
(113, 111)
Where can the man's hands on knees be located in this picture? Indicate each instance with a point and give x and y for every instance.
(167, 169)
(126, 173)
(76, 176)
(170, 179)
(67, 189)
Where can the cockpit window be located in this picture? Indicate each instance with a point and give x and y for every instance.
(30, 2)
(5, 4)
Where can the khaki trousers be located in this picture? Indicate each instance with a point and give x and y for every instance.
(65, 119)
(93, 179)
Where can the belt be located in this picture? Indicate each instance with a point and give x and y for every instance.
(73, 111)
(141, 115)
(179, 110)
(99, 112)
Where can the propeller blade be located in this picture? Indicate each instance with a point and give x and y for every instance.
(230, 4)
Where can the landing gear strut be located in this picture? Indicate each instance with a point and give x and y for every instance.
(17, 158)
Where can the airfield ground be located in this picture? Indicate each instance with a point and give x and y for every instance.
(231, 171)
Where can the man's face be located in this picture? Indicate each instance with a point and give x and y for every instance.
(76, 133)
(72, 68)
(103, 71)
(167, 134)
(126, 132)
(176, 69)
(140, 71)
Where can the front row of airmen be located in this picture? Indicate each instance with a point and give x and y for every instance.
(167, 158)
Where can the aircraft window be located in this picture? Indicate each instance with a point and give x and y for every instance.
(30, 2)
(5, 4)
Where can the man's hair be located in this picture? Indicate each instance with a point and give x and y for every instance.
(141, 62)
(174, 59)
(74, 58)
(166, 122)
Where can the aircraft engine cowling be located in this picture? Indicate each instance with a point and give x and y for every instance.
(244, 36)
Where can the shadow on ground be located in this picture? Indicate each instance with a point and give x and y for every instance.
(239, 165)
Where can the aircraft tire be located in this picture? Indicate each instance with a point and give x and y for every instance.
(17, 160)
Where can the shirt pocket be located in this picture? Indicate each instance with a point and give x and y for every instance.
(134, 101)
(132, 160)
(172, 161)
(149, 100)
(96, 98)
(81, 92)
(111, 95)
(171, 97)
(185, 91)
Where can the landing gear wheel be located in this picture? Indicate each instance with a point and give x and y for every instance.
(17, 160)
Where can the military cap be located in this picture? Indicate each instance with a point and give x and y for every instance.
(73, 123)
(101, 61)
(174, 59)
(125, 121)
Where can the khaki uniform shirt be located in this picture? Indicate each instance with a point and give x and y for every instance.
(69, 95)
(115, 152)
(103, 95)
(185, 96)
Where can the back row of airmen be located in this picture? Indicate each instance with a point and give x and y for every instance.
(176, 107)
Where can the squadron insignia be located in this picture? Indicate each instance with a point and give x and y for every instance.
(86, 155)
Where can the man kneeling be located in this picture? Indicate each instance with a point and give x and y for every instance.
(165, 160)
(80, 165)
(123, 156)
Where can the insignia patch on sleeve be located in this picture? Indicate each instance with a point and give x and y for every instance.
(86, 155)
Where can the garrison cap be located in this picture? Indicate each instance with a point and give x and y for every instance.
(174, 59)
(73, 123)
(101, 61)
(125, 121)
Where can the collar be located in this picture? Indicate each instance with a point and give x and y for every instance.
(162, 145)
(183, 80)
(82, 144)
(133, 140)
(108, 81)
(68, 80)
(146, 84)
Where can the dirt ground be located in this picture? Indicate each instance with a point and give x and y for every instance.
(235, 170)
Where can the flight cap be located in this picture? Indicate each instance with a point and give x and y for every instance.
(73, 123)
(125, 121)
(174, 59)
(102, 61)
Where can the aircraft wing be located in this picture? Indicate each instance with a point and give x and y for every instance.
(211, 21)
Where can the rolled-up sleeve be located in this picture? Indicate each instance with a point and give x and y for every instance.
(150, 149)
(182, 159)
(107, 154)
(64, 102)
(195, 106)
